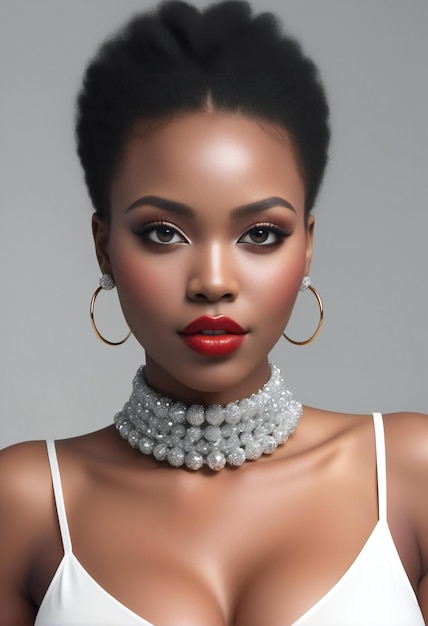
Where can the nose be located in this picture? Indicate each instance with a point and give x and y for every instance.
(212, 277)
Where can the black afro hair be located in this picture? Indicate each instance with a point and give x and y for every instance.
(175, 59)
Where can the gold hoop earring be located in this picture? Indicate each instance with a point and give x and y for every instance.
(107, 283)
(306, 284)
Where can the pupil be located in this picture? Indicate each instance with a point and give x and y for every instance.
(165, 234)
(259, 235)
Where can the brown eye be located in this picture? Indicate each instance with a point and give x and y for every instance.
(259, 235)
(264, 235)
(160, 233)
(163, 234)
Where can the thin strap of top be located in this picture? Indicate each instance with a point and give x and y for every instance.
(59, 497)
(380, 464)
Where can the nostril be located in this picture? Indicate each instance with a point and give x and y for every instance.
(203, 297)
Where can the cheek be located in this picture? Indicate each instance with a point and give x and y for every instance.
(145, 284)
(275, 283)
(279, 300)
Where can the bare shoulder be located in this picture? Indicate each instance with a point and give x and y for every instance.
(406, 440)
(26, 513)
(25, 491)
(406, 432)
(24, 473)
(406, 436)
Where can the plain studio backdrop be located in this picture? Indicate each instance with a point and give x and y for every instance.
(370, 257)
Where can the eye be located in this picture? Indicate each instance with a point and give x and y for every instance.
(264, 235)
(160, 233)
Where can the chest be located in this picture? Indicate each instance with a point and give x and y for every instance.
(258, 548)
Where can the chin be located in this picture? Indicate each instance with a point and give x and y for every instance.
(209, 381)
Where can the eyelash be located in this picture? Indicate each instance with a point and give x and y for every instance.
(147, 229)
(269, 228)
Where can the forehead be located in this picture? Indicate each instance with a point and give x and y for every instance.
(228, 156)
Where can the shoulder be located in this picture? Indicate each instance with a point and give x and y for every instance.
(26, 515)
(25, 484)
(406, 441)
(22, 464)
(406, 437)
(26, 498)
(406, 433)
(21, 467)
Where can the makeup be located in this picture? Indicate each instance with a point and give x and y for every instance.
(213, 336)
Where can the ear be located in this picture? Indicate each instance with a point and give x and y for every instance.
(100, 233)
(310, 225)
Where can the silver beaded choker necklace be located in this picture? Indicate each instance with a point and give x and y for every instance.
(194, 436)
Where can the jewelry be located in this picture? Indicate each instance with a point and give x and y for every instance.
(107, 283)
(194, 436)
(306, 284)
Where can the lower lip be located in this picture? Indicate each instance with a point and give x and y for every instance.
(213, 345)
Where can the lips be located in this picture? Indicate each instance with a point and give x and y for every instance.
(214, 325)
(213, 336)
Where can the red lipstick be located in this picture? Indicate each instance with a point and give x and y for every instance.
(213, 336)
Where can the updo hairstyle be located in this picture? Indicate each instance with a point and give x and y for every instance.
(178, 59)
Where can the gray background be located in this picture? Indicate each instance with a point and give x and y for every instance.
(370, 258)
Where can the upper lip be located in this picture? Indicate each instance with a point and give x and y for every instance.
(206, 322)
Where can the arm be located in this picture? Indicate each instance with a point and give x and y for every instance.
(22, 511)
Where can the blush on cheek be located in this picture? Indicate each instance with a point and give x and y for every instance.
(282, 293)
(146, 291)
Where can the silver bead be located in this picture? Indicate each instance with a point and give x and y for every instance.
(269, 445)
(194, 460)
(253, 450)
(162, 407)
(125, 429)
(178, 430)
(160, 451)
(193, 434)
(203, 448)
(232, 442)
(177, 413)
(212, 433)
(248, 408)
(146, 429)
(214, 415)
(236, 457)
(248, 426)
(195, 415)
(216, 461)
(175, 457)
(280, 435)
(232, 414)
(227, 430)
(133, 438)
(146, 445)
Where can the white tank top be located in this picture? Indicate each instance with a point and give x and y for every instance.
(374, 591)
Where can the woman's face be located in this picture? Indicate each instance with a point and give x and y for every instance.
(207, 220)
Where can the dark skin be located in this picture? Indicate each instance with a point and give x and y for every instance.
(241, 547)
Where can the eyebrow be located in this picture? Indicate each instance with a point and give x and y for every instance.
(186, 211)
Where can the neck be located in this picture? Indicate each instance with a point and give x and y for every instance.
(208, 386)
(194, 436)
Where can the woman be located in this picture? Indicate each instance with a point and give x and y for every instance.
(204, 138)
